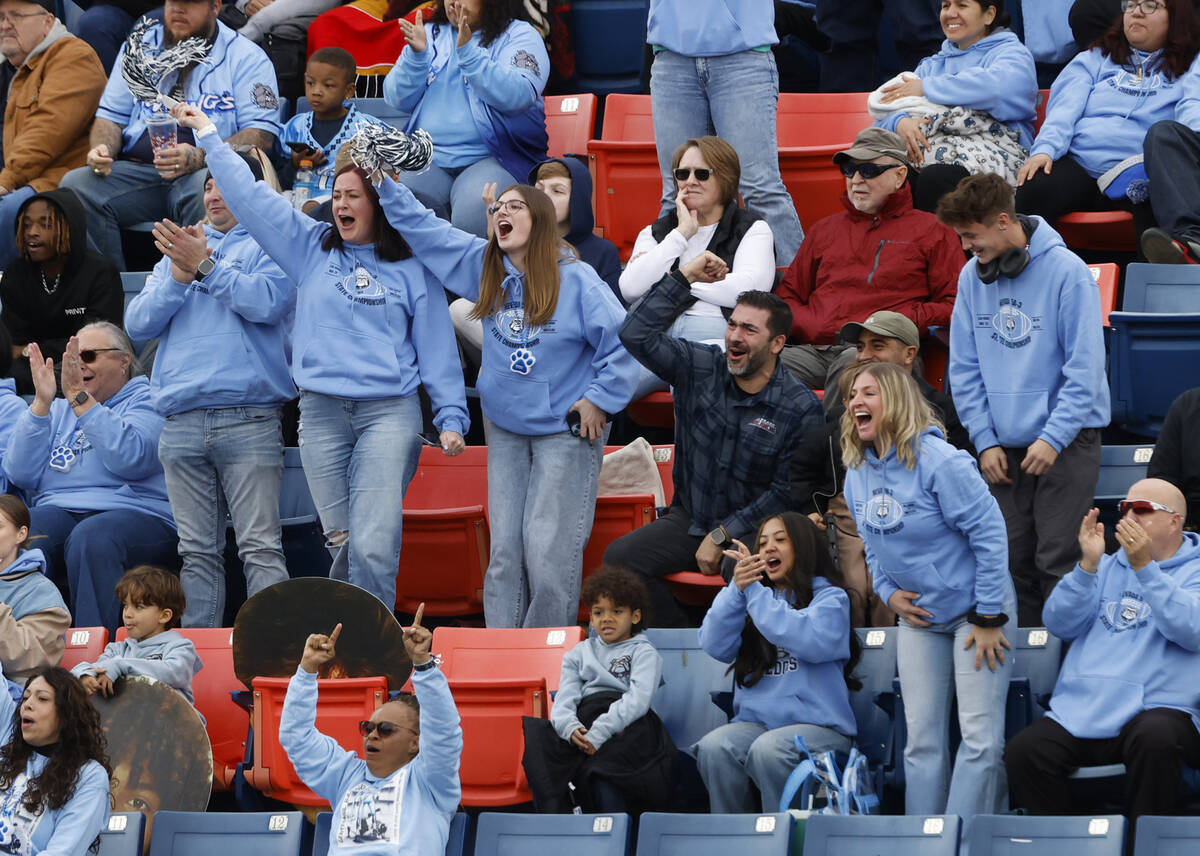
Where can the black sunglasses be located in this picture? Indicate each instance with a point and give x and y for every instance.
(89, 356)
(683, 173)
(386, 729)
(868, 170)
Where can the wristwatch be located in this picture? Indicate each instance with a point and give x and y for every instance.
(81, 399)
(204, 268)
(721, 537)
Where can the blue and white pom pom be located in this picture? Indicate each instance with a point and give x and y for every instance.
(144, 71)
(382, 148)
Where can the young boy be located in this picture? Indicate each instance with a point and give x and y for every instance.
(317, 135)
(602, 740)
(152, 603)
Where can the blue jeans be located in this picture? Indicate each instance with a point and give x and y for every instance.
(456, 194)
(94, 549)
(359, 457)
(133, 193)
(10, 204)
(541, 501)
(735, 98)
(226, 460)
(934, 669)
(693, 328)
(738, 757)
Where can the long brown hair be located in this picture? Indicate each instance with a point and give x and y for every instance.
(18, 515)
(1181, 47)
(541, 262)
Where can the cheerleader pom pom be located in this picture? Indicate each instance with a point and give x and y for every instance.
(376, 149)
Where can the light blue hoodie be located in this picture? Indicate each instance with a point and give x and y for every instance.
(365, 328)
(631, 667)
(27, 647)
(996, 75)
(1135, 641)
(1099, 112)
(935, 529)
(11, 406)
(577, 353)
(711, 27)
(104, 460)
(68, 830)
(167, 657)
(807, 684)
(1027, 354)
(408, 812)
(221, 340)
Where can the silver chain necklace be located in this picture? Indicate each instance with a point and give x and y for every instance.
(46, 286)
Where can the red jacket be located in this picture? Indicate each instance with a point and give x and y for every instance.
(852, 264)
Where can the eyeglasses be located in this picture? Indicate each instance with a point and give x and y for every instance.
(867, 170)
(509, 205)
(385, 729)
(1148, 7)
(684, 173)
(13, 17)
(89, 356)
(1141, 507)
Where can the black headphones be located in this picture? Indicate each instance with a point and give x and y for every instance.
(1010, 263)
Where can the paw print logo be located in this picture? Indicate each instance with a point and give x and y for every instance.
(5, 832)
(61, 458)
(521, 361)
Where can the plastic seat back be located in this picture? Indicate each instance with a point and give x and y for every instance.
(615, 516)
(570, 123)
(191, 833)
(480, 653)
(84, 645)
(1106, 276)
(578, 834)
(713, 834)
(1161, 288)
(1151, 361)
(456, 842)
(690, 677)
(609, 38)
(624, 165)
(870, 835)
(1037, 655)
(341, 704)
(491, 711)
(1024, 835)
(1120, 467)
(1167, 836)
(877, 671)
(122, 836)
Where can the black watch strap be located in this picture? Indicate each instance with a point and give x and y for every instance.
(998, 620)
(431, 663)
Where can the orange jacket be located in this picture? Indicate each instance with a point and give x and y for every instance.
(51, 105)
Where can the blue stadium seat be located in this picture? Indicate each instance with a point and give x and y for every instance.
(1167, 836)
(578, 834)
(684, 699)
(1120, 467)
(377, 107)
(456, 844)
(877, 671)
(1151, 361)
(197, 833)
(303, 539)
(123, 834)
(132, 282)
(1022, 835)
(870, 835)
(1161, 288)
(1037, 654)
(714, 834)
(609, 38)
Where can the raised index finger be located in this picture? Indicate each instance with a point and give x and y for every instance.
(417, 617)
(333, 637)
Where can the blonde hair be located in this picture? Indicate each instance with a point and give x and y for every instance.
(905, 413)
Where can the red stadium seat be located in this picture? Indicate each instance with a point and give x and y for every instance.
(341, 704)
(84, 645)
(226, 721)
(491, 710)
(1101, 231)
(479, 653)
(615, 516)
(656, 410)
(693, 587)
(624, 164)
(1106, 276)
(1043, 98)
(570, 123)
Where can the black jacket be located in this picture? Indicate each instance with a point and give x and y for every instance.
(1176, 458)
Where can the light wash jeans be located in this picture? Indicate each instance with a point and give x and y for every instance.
(133, 193)
(708, 329)
(10, 204)
(736, 758)
(456, 194)
(735, 98)
(227, 459)
(266, 19)
(541, 501)
(359, 457)
(934, 670)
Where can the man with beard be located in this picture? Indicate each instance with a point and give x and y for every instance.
(738, 415)
(126, 181)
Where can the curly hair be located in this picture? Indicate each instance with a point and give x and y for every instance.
(810, 559)
(1181, 47)
(494, 17)
(80, 739)
(620, 586)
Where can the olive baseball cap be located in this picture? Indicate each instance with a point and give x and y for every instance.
(892, 325)
(871, 143)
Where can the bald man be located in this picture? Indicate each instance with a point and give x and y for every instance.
(1129, 689)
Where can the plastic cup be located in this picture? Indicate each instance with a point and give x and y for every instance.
(163, 131)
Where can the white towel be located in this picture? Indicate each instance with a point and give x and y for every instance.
(917, 104)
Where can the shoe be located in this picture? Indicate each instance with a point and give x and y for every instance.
(1160, 248)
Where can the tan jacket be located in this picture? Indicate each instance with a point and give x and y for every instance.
(51, 105)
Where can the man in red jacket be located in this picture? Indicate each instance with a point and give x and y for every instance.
(880, 253)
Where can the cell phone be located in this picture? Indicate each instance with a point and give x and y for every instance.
(300, 148)
(573, 420)
(765, 579)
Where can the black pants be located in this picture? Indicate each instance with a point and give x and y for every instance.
(1154, 746)
(852, 28)
(1173, 166)
(1069, 188)
(935, 181)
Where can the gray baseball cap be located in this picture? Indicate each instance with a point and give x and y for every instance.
(892, 325)
(871, 143)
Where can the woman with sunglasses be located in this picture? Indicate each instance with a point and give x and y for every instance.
(552, 373)
(706, 217)
(473, 78)
(369, 329)
(970, 107)
(88, 462)
(938, 550)
(1088, 155)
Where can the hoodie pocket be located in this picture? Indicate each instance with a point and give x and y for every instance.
(518, 403)
(1019, 416)
(189, 364)
(1093, 706)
